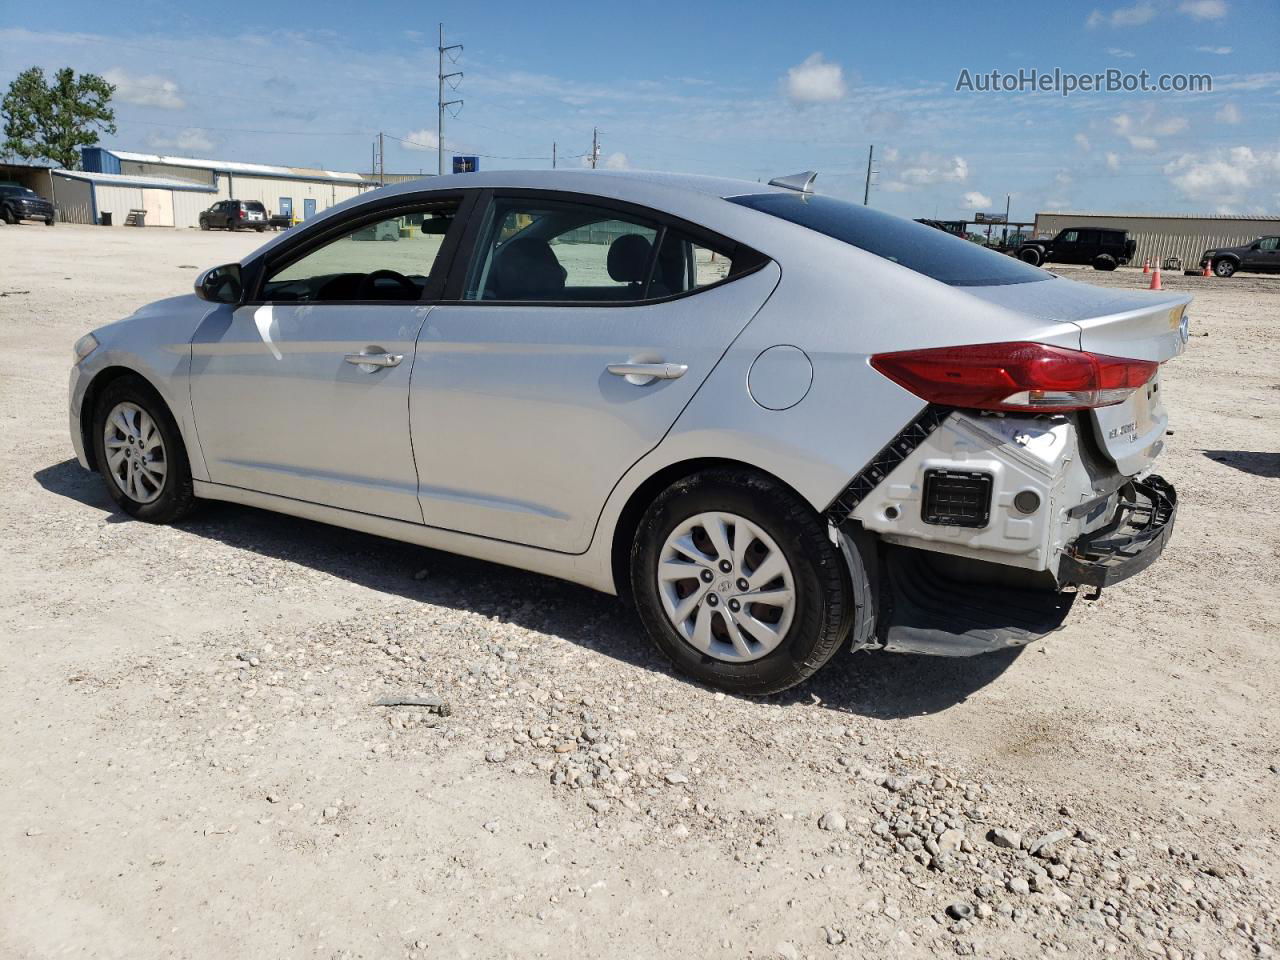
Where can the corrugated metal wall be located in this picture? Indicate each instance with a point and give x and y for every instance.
(75, 200)
(1162, 237)
(118, 201)
(187, 205)
(137, 168)
(268, 191)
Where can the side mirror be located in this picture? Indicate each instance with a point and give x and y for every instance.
(220, 284)
(436, 226)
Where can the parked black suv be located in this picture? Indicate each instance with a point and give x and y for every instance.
(19, 203)
(1104, 249)
(234, 215)
(1261, 256)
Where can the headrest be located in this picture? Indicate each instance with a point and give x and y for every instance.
(629, 258)
(527, 269)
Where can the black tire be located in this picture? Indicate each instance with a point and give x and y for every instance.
(260, 229)
(821, 619)
(176, 499)
(1224, 267)
(1031, 255)
(1104, 262)
(49, 222)
(9, 218)
(204, 224)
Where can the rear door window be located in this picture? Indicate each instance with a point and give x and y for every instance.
(934, 253)
(532, 250)
(553, 251)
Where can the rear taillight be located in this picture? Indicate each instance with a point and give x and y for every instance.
(1032, 377)
(241, 214)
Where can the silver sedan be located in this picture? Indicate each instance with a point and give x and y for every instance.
(777, 423)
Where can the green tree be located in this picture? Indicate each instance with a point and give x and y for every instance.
(52, 121)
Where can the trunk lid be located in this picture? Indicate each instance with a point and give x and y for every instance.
(1138, 324)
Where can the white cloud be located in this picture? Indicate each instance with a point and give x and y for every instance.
(1057, 204)
(190, 140)
(1082, 141)
(1238, 177)
(1204, 9)
(927, 169)
(1145, 144)
(1143, 130)
(815, 81)
(617, 161)
(975, 200)
(1113, 161)
(1219, 51)
(145, 91)
(1117, 52)
(1229, 113)
(1134, 16)
(423, 139)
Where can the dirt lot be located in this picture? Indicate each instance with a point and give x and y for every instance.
(191, 766)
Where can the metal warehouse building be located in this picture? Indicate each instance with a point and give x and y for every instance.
(1159, 236)
(174, 190)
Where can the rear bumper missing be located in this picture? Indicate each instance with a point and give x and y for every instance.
(1127, 545)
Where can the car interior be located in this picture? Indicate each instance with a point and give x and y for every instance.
(526, 266)
(298, 283)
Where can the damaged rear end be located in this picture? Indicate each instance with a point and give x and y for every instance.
(1027, 478)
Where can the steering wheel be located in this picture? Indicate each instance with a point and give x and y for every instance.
(369, 290)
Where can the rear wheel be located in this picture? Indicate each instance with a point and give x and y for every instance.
(140, 453)
(1031, 255)
(738, 584)
(1104, 262)
(1224, 267)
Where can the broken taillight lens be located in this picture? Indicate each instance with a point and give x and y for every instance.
(1018, 376)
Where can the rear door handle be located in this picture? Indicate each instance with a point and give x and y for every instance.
(374, 360)
(656, 371)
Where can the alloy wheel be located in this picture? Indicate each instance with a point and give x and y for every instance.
(726, 587)
(135, 452)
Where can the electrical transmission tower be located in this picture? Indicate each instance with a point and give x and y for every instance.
(441, 103)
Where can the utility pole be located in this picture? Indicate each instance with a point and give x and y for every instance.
(595, 146)
(1004, 244)
(553, 154)
(441, 103)
(866, 191)
(382, 162)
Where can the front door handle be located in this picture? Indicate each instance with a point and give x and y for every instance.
(374, 360)
(650, 371)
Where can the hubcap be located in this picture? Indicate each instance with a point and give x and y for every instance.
(726, 587)
(135, 452)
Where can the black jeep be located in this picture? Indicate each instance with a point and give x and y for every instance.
(1261, 256)
(1103, 248)
(20, 203)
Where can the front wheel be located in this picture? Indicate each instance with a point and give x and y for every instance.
(738, 584)
(1224, 268)
(140, 453)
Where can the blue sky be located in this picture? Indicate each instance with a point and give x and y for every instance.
(742, 89)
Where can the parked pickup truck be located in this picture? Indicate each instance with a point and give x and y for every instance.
(1261, 256)
(1103, 249)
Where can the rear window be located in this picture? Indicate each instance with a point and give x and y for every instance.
(255, 206)
(934, 253)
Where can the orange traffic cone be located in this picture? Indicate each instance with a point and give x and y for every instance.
(1206, 272)
(1155, 279)
(1146, 265)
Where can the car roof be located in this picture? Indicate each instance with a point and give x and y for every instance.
(609, 182)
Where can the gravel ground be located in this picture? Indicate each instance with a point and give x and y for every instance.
(192, 765)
